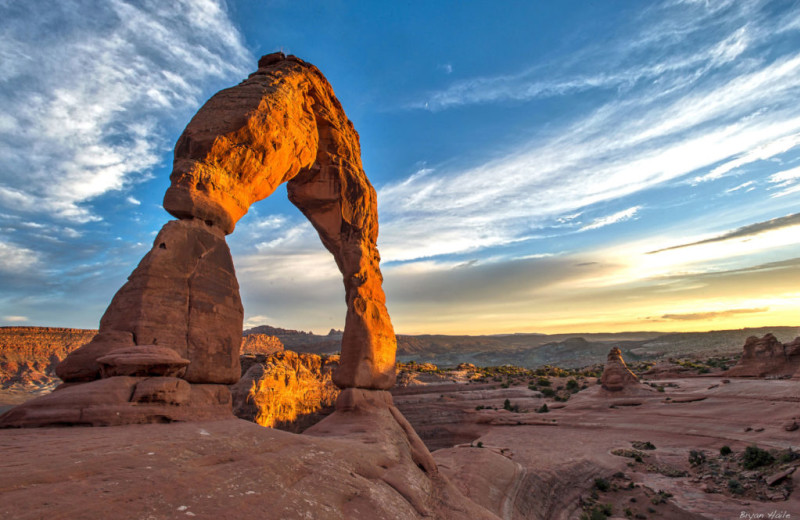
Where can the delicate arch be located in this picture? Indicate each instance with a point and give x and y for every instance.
(282, 124)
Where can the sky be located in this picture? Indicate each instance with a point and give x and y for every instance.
(575, 166)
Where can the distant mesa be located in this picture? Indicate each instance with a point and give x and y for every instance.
(616, 374)
(768, 357)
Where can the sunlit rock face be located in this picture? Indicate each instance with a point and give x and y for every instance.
(616, 374)
(261, 344)
(767, 357)
(286, 390)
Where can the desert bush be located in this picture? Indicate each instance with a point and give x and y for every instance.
(572, 385)
(601, 484)
(735, 487)
(755, 457)
(543, 409)
(725, 450)
(548, 392)
(696, 457)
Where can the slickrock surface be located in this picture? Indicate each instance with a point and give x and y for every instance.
(358, 465)
(284, 124)
(286, 390)
(767, 357)
(616, 375)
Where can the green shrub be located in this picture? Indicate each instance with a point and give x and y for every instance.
(548, 392)
(543, 381)
(573, 385)
(725, 450)
(755, 457)
(543, 409)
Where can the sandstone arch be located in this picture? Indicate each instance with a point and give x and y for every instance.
(282, 124)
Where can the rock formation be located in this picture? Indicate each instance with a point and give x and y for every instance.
(286, 390)
(767, 357)
(284, 124)
(180, 314)
(616, 375)
(261, 344)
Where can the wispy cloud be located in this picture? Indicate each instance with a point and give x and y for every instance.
(87, 89)
(15, 319)
(742, 232)
(694, 316)
(134, 201)
(695, 112)
(620, 216)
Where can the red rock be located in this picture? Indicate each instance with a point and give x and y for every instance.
(81, 364)
(287, 390)
(112, 402)
(142, 360)
(616, 375)
(767, 357)
(183, 295)
(284, 124)
(168, 390)
(261, 344)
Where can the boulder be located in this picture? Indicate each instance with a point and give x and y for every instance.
(142, 360)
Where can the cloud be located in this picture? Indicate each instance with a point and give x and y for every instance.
(620, 216)
(17, 259)
(15, 319)
(732, 105)
(742, 232)
(88, 90)
(709, 315)
(748, 184)
(612, 62)
(134, 201)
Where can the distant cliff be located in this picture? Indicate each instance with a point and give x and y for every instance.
(29, 355)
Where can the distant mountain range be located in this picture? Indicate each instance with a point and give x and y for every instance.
(532, 350)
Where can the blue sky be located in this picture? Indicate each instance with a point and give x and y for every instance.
(540, 166)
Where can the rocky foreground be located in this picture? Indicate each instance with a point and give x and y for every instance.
(505, 443)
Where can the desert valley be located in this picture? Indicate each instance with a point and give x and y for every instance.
(712, 434)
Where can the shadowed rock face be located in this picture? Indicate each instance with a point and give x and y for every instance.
(282, 124)
(616, 375)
